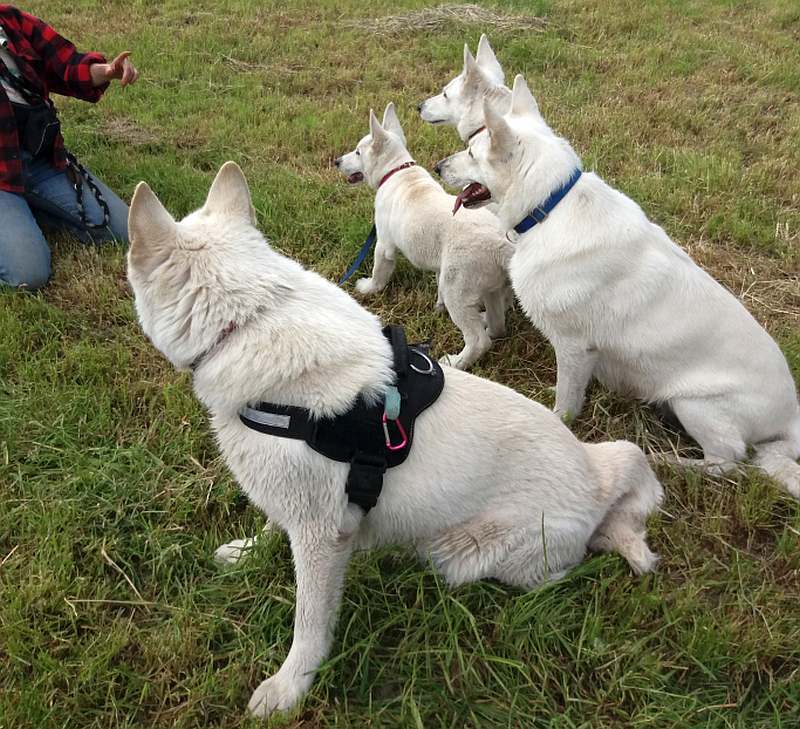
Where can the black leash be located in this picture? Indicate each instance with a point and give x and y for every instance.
(76, 171)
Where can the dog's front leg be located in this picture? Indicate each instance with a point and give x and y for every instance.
(382, 270)
(575, 364)
(320, 560)
(439, 305)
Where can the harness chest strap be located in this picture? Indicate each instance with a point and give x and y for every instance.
(363, 436)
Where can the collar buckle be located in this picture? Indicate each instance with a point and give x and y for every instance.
(539, 214)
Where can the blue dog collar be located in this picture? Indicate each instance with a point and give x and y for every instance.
(540, 212)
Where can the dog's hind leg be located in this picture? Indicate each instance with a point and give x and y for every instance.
(629, 486)
(320, 557)
(382, 270)
(470, 551)
(541, 555)
(467, 317)
(778, 460)
(715, 432)
(495, 302)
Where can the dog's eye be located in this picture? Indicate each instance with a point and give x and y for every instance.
(444, 93)
(358, 153)
(469, 151)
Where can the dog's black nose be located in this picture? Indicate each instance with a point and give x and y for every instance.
(337, 161)
(419, 108)
(437, 168)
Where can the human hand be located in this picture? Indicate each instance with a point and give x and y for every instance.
(120, 68)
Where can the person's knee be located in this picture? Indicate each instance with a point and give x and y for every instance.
(29, 272)
(118, 223)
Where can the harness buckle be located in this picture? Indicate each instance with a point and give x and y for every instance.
(388, 438)
(365, 480)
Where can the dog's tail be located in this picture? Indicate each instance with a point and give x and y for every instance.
(630, 492)
(779, 458)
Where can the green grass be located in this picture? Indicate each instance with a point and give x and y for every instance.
(112, 493)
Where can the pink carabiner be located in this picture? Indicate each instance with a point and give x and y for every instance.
(388, 438)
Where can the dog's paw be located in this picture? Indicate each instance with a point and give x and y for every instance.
(365, 286)
(276, 693)
(230, 553)
(439, 307)
(567, 416)
(452, 360)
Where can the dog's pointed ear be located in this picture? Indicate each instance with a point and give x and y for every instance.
(500, 133)
(473, 73)
(469, 60)
(230, 195)
(151, 228)
(522, 101)
(488, 61)
(375, 128)
(499, 99)
(391, 123)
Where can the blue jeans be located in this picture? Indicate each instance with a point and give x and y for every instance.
(49, 200)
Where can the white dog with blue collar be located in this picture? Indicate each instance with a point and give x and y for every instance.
(618, 300)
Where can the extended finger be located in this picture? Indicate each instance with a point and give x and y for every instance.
(118, 62)
(128, 72)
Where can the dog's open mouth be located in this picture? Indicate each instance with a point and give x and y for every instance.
(355, 178)
(472, 196)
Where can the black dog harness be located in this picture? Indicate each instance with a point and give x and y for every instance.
(370, 437)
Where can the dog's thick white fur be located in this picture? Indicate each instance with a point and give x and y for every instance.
(460, 103)
(619, 300)
(495, 485)
(414, 215)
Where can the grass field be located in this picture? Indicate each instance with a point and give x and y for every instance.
(113, 496)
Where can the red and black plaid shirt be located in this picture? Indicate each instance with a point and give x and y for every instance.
(49, 63)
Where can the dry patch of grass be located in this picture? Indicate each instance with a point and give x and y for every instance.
(447, 16)
(126, 131)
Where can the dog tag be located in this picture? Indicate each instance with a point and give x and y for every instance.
(391, 403)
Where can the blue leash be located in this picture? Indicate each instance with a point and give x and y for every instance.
(540, 212)
(391, 400)
(362, 254)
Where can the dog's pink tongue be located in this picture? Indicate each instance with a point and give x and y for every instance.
(472, 192)
(459, 201)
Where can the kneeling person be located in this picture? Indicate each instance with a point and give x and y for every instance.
(40, 182)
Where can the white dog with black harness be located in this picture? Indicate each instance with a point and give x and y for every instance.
(618, 300)
(494, 486)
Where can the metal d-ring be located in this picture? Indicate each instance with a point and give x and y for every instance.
(424, 356)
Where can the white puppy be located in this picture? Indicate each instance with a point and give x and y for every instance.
(494, 486)
(619, 300)
(460, 104)
(413, 214)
